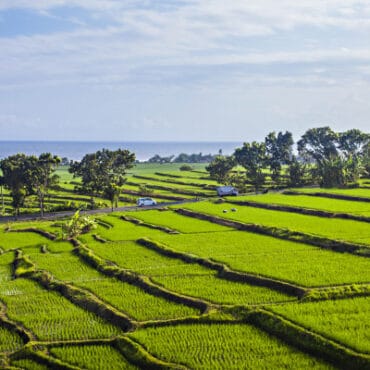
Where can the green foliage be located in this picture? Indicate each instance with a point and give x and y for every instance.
(279, 152)
(77, 225)
(252, 156)
(186, 167)
(337, 156)
(220, 168)
(297, 173)
(103, 171)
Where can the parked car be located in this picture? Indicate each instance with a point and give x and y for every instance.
(226, 190)
(146, 202)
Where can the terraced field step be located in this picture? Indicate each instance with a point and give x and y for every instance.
(44, 233)
(286, 234)
(337, 292)
(143, 282)
(304, 339)
(149, 225)
(80, 297)
(329, 195)
(25, 334)
(179, 182)
(224, 272)
(300, 210)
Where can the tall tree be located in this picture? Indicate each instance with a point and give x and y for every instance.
(252, 156)
(15, 169)
(337, 156)
(318, 144)
(41, 174)
(352, 143)
(296, 173)
(101, 170)
(279, 152)
(220, 167)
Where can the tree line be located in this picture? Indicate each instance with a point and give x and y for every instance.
(183, 158)
(322, 156)
(102, 173)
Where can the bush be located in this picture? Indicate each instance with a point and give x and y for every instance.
(186, 167)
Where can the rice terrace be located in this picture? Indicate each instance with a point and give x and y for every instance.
(184, 184)
(276, 277)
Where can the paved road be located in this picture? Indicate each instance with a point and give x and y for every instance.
(55, 215)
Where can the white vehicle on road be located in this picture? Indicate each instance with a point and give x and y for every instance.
(146, 202)
(226, 190)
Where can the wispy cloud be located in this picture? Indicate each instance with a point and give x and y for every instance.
(187, 46)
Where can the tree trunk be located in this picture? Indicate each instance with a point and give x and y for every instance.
(2, 201)
(41, 202)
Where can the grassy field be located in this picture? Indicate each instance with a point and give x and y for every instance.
(92, 357)
(364, 193)
(192, 294)
(346, 230)
(302, 201)
(345, 321)
(223, 347)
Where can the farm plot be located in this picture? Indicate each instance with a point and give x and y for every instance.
(29, 364)
(117, 229)
(364, 193)
(92, 357)
(178, 222)
(125, 297)
(185, 278)
(11, 240)
(9, 340)
(302, 201)
(285, 260)
(50, 316)
(346, 321)
(337, 229)
(175, 188)
(193, 181)
(223, 346)
(153, 192)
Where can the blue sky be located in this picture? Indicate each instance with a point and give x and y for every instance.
(192, 70)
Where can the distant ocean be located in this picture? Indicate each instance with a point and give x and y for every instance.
(144, 150)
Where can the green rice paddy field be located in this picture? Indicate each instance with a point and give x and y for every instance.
(155, 289)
